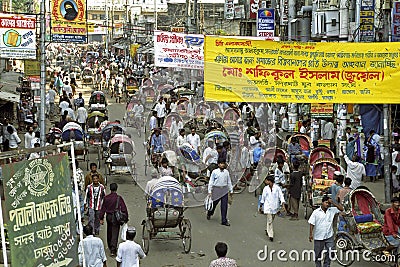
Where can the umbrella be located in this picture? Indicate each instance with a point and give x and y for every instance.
(216, 135)
(189, 153)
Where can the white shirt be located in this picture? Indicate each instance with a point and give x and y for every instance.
(81, 115)
(34, 155)
(191, 109)
(52, 95)
(152, 123)
(213, 156)
(63, 105)
(271, 199)
(303, 129)
(160, 108)
(254, 142)
(279, 176)
(180, 140)
(138, 110)
(28, 139)
(14, 140)
(328, 131)
(93, 250)
(67, 89)
(34, 141)
(220, 179)
(128, 254)
(71, 113)
(259, 112)
(395, 163)
(173, 106)
(355, 171)
(285, 124)
(322, 222)
(193, 140)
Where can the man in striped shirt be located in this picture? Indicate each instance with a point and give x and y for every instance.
(95, 193)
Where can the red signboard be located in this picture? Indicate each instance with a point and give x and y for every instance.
(254, 6)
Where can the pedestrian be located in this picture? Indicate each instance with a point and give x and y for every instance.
(52, 96)
(81, 116)
(321, 230)
(344, 191)
(94, 196)
(328, 133)
(108, 209)
(13, 138)
(219, 186)
(296, 183)
(337, 185)
(29, 135)
(93, 171)
(181, 139)
(173, 131)
(92, 249)
(153, 121)
(129, 251)
(79, 101)
(161, 112)
(221, 249)
(355, 170)
(271, 199)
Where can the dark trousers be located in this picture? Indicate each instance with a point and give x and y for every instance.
(112, 233)
(217, 195)
(160, 122)
(320, 245)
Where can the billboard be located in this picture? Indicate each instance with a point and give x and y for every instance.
(18, 36)
(367, 17)
(265, 22)
(245, 70)
(68, 21)
(229, 9)
(396, 22)
(39, 203)
(178, 50)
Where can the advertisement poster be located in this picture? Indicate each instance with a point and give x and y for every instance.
(41, 226)
(396, 22)
(245, 70)
(265, 22)
(178, 50)
(254, 6)
(68, 21)
(321, 110)
(367, 17)
(18, 36)
(229, 9)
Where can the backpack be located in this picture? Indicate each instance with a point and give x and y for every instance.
(397, 159)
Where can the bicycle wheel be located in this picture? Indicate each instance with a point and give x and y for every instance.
(201, 188)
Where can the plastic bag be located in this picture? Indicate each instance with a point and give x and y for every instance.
(208, 203)
(123, 231)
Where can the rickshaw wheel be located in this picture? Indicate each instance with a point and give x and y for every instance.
(186, 235)
(343, 244)
(201, 188)
(146, 238)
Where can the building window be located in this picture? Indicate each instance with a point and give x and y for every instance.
(116, 17)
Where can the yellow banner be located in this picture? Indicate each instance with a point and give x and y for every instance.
(134, 48)
(68, 21)
(240, 70)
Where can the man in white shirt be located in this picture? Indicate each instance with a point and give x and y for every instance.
(194, 139)
(29, 135)
(210, 156)
(321, 230)
(181, 139)
(271, 199)
(81, 116)
(191, 109)
(218, 188)
(52, 96)
(355, 169)
(71, 113)
(173, 106)
(161, 112)
(153, 121)
(92, 249)
(328, 133)
(129, 251)
(67, 88)
(285, 123)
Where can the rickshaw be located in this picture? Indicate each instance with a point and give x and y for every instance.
(150, 157)
(360, 230)
(147, 82)
(87, 76)
(113, 68)
(165, 208)
(98, 102)
(217, 110)
(73, 132)
(108, 132)
(119, 154)
(93, 122)
(317, 184)
(150, 97)
(304, 141)
(168, 120)
(320, 152)
(131, 87)
(77, 70)
(201, 110)
(230, 118)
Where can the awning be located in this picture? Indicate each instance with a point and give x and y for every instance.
(10, 97)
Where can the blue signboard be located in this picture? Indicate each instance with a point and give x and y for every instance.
(266, 22)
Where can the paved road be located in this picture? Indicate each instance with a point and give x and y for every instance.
(245, 237)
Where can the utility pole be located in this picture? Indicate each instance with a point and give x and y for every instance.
(187, 13)
(106, 17)
(155, 15)
(386, 152)
(195, 17)
(42, 73)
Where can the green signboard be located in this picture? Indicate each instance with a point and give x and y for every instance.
(39, 205)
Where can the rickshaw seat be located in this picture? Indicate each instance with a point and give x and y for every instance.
(369, 227)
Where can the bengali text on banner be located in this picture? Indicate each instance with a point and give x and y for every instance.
(242, 70)
(39, 204)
